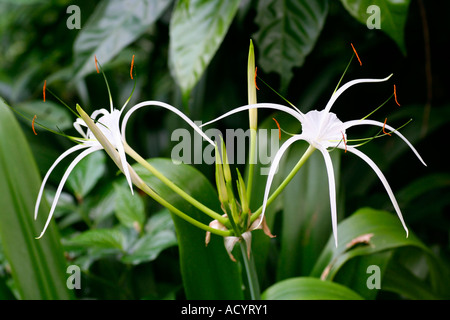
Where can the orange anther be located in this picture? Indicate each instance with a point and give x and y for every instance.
(32, 124)
(395, 96)
(384, 126)
(354, 50)
(131, 69)
(256, 70)
(96, 66)
(345, 143)
(43, 89)
(279, 129)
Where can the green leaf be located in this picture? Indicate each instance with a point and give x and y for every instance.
(48, 113)
(86, 174)
(129, 208)
(160, 235)
(288, 31)
(393, 14)
(37, 266)
(197, 28)
(309, 289)
(207, 271)
(387, 234)
(98, 238)
(112, 26)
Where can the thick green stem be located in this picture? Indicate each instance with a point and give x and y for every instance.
(173, 186)
(144, 187)
(286, 181)
(250, 270)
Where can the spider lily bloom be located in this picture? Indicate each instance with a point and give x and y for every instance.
(323, 130)
(108, 123)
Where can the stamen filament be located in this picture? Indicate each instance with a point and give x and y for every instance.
(378, 107)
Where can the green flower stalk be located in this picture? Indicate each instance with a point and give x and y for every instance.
(253, 115)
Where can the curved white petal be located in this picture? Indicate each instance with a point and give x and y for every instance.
(348, 85)
(44, 181)
(332, 191)
(123, 158)
(273, 170)
(295, 113)
(353, 123)
(63, 181)
(166, 106)
(383, 180)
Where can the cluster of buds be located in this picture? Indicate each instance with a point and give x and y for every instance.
(238, 213)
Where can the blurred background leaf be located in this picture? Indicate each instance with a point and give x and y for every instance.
(37, 266)
(113, 26)
(288, 30)
(392, 16)
(190, 52)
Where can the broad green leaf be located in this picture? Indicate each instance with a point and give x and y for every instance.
(392, 15)
(207, 271)
(402, 281)
(37, 266)
(129, 207)
(98, 238)
(309, 289)
(197, 28)
(159, 235)
(111, 27)
(86, 174)
(385, 233)
(288, 31)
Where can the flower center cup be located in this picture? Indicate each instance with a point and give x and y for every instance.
(323, 129)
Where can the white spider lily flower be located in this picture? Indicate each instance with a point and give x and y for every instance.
(323, 130)
(108, 122)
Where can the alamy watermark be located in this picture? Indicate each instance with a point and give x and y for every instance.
(74, 280)
(189, 147)
(74, 20)
(374, 20)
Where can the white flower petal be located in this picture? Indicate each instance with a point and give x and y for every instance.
(44, 181)
(123, 158)
(166, 106)
(332, 191)
(273, 170)
(383, 180)
(295, 113)
(348, 85)
(63, 181)
(353, 123)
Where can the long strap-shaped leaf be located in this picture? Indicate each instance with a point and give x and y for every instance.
(37, 266)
